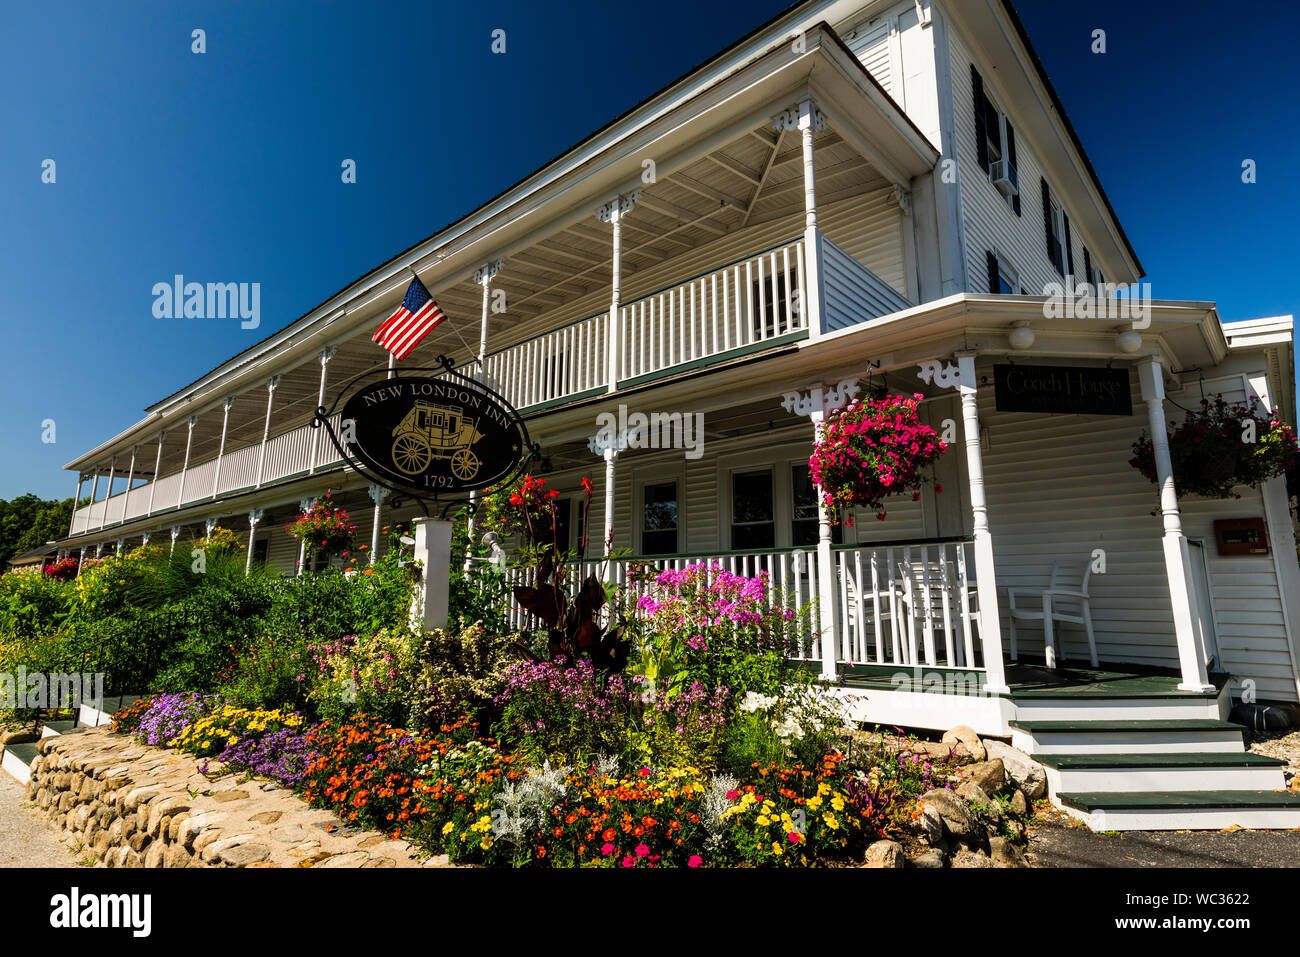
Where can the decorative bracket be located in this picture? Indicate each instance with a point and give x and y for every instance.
(273, 382)
(327, 354)
(487, 272)
(618, 207)
(904, 200)
(209, 525)
(820, 399)
(942, 375)
(378, 493)
(787, 120)
(305, 505)
(255, 516)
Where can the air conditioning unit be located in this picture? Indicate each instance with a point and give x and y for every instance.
(1003, 174)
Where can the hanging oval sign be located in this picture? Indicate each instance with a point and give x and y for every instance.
(432, 435)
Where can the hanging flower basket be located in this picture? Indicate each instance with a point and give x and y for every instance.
(325, 530)
(220, 540)
(871, 450)
(1220, 447)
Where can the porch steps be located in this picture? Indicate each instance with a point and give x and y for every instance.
(1120, 757)
(1137, 736)
(17, 761)
(1177, 771)
(1180, 810)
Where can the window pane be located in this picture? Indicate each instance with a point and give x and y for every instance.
(751, 510)
(659, 519)
(805, 494)
(751, 496)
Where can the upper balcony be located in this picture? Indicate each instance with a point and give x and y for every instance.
(761, 206)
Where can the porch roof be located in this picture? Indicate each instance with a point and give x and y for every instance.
(718, 166)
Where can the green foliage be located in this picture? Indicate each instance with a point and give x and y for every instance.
(461, 671)
(31, 605)
(27, 522)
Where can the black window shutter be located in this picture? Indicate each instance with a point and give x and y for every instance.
(1011, 157)
(981, 126)
(994, 284)
(1068, 255)
(1087, 265)
(1050, 238)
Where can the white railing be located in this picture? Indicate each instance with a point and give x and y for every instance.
(287, 454)
(906, 604)
(568, 361)
(853, 293)
(902, 604)
(791, 576)
(741, 304)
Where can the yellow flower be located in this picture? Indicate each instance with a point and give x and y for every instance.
(829, 818)
(777, 849)
(446, 828)
(837, 803)
(763, 821)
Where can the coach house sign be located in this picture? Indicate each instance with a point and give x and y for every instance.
(429, 435)
(1085, 390)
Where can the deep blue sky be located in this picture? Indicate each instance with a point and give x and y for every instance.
(225, 166)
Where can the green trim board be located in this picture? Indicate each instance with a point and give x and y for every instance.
(1161, 800)
(705, 361)
(1180, 724)
(1166, 760)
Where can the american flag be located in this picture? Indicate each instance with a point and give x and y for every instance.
(402, 331)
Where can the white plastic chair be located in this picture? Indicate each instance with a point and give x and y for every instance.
(1064, 599)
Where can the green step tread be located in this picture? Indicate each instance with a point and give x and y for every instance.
(24, 752)
(1189, 759)
(61, 726)
(1167, 724)
(1158, 800)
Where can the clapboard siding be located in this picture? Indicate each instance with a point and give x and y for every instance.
(1061, 486)
(989, 221)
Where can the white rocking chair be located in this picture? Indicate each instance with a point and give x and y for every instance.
(1064, 599)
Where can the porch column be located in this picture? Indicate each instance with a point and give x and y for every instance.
(825, 559)
(185, 464)
(326, 355)
(144, 539)
(1174, 543)
(176, 533)
(81, 560)
(76, 498)
(221, 447)
(118, 550)
(613, 213)
(807, 119)
(157, 464)
(254, 516)
(483, 276)
(130, 477)
(305, 505)
(986, 586)
(271, 385)
(103, 512)
(90, 509)
(611, 456)
(377, 495)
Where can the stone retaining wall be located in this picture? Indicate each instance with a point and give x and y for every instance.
(133, 805)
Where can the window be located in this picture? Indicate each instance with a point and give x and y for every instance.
(545, 534)
(1091, 274)
(659, 519)
(772, 313)
(1056, 228)
(995, 143)
(804, 517)
(1003, 279)
(261, 548)
(752, 523)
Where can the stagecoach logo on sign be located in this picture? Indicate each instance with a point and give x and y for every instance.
(433, 435)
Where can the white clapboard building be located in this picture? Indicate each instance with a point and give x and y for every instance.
(854, 196)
